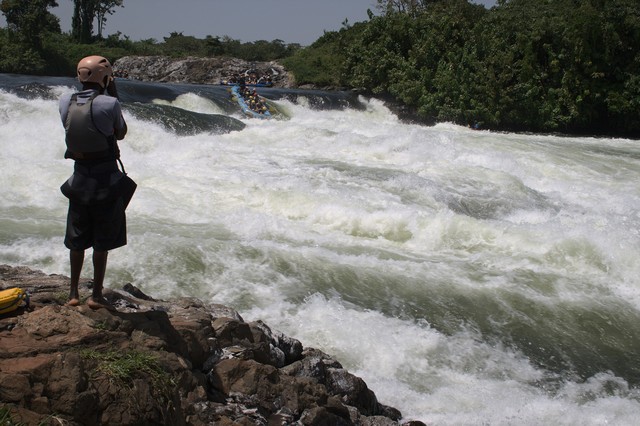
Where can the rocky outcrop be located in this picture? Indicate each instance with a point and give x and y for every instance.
(179, 362)
(196, 70)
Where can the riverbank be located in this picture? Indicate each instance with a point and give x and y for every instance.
(179, 362)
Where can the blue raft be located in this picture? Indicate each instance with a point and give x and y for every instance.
(235, 91)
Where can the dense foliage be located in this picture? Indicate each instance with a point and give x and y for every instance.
(529, 65)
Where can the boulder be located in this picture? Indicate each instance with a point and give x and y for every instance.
(196, 70)
(178, 362)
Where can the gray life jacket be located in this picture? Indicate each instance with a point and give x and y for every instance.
(84, 140)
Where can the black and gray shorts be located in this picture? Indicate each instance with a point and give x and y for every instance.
(102, 226)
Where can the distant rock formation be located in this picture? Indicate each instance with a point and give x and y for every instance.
(196, 70)
(179, 362)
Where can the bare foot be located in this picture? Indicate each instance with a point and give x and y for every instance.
(100, 302)
(74, 301)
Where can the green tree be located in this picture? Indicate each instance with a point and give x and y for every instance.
(29, 20)
(177, 45)
(535, 65)
(104, 8)
(562, 65)
(15, 58)
(424, 60)
(411, 7)
(213, 46)
(323, 63)
(84, 14)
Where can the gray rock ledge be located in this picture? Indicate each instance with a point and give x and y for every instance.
(196, 70)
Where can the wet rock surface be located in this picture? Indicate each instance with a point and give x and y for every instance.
(178, 362)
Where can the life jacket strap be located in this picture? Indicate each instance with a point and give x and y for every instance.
(121, 166)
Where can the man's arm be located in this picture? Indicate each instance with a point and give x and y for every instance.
(120, 126)
(122, 132)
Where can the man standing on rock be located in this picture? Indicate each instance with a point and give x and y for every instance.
(93, 123)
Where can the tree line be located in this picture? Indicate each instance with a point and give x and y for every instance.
(33, 43)
(570, 66)
(565, 66)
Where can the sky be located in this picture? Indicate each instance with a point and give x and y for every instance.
(292, 21)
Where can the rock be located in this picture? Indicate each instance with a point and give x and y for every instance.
(14, 388)
(353, 391)
(196, 70)
(284, 349)
(136, 292)
(178, 362)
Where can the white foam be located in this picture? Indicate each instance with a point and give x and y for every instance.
(193, 102)
(329, 224)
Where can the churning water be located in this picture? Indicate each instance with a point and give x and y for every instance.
(469, 277)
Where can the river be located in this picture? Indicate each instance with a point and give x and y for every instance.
(469, 277)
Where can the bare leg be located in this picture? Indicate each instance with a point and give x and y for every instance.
(99, 268)
(76, 259)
